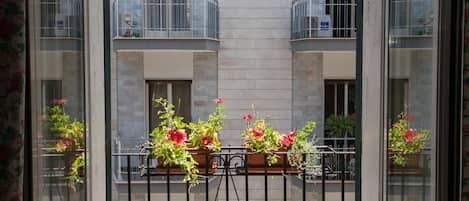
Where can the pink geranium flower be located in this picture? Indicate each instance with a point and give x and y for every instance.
(219, 101)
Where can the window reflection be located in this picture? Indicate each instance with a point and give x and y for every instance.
(410, 106)
(58, 100)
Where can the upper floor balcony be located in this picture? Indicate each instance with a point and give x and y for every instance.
(411, 23)
(61, 25)
(323, 25)
(166, 24)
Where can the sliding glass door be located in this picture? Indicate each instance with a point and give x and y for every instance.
(411, 100)
(57, 100)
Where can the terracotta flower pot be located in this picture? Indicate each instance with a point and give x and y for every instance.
(256, 163)
(412, 166)
(200, 156)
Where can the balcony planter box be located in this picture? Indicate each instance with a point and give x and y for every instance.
(199, 156)
(412, 167)
(256, 163)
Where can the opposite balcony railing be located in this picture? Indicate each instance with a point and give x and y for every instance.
(332, 168)
(410, 18)
(61, 18)
(163, 19)
(323, 19)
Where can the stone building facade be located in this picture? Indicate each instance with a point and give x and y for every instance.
(253, 66)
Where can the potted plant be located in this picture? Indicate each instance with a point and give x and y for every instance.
(68, 138)
(178, 153)
(203, 139)
(263, 145)
(405, 142)
(169, 143)
(339, 126)
(261, 142)
(302, 152)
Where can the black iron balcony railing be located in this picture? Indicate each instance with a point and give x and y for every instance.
(323, 19)
(163, 19)
(332, 166)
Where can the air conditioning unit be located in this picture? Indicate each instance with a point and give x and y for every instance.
(317, 26)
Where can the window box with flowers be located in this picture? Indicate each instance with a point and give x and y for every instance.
(179, 154)
(405, 143)
(272, 152)
(69, 140)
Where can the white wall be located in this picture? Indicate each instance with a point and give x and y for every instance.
(168, 65)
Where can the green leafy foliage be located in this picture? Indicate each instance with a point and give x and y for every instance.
(171, 152)
(70, 140)
(339, 126)
(404, 140)
(204, 135)
(302, 154)
(261, 138)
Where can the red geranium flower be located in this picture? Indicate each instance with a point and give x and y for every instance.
(58, 101)
(256, 133)
(292, 134)
(247, 117)
(178, 137)
(409, 117)
(206, 141)
(67, 142)
(219, 101)
(286, 140)
(410, 135)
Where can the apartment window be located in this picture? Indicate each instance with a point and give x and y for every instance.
(339, 97)
(176, 92)
(156, 15)
(160, 10)
(180, 21)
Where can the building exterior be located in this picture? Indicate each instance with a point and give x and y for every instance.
(252, 55)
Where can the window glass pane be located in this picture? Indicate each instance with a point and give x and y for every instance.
(182, 99)
(329, 100)
(351, 98)
(410, 100)
(57, 96)
(340, 99)
(465, 136)
(156, 90)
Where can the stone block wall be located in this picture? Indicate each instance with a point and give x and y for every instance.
(308, 90)
(128, 94)
(255, 63)
(204, 85)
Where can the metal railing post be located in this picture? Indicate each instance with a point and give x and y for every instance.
(168, 184)
(246, 176)
(323, 177)
(129, 187)
(285, 158)
(343, 159)
(266, 183)
(148, 179)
